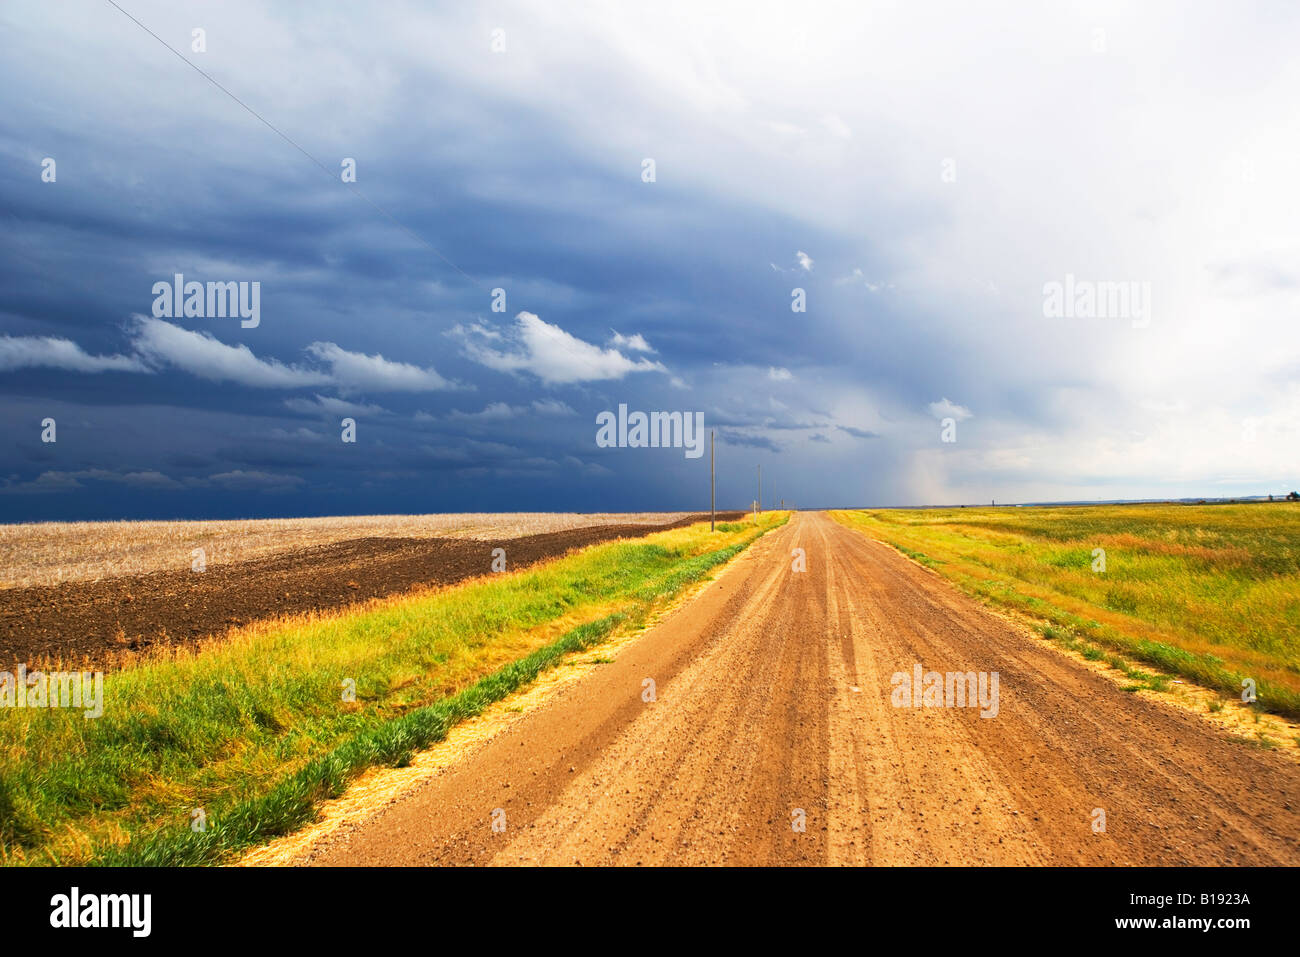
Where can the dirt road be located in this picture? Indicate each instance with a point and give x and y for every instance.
(773, 696)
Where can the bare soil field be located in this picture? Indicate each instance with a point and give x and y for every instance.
(106, 622)
(48, 553)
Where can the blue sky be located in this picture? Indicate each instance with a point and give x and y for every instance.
(923, 172)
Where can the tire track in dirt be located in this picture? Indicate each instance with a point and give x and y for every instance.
(755, 716)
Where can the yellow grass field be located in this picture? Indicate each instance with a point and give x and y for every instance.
(1209, 592)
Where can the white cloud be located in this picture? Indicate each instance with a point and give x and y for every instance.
(947, 409)
(500, 411)
(329, 405)
(552, 407)
(779, 374)
(837, 127)
(785, 129)
(636, 342)
(356, 371)
(805, 261)
(199, 354)
(550, 353)
(857, 276)
(23, 352)
(1220, 453)
(493, 411)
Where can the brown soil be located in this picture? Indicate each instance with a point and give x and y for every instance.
(774, 706)
(100, 621)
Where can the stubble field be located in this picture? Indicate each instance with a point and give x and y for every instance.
(296, 566)
(48, 553)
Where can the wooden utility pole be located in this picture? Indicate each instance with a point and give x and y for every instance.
(712, 499)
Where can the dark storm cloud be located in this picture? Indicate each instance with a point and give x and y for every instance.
(524, 170)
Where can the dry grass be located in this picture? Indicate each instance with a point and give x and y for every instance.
(46, 553)
(1208, 592)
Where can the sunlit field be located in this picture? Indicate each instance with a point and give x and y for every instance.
(1207, 592)
(258, 728)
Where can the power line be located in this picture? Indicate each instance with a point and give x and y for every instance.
(355, 190)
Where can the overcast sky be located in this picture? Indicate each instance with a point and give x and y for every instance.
(923, 172)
